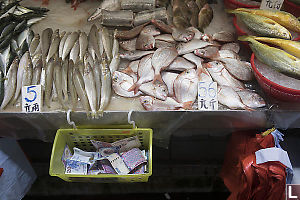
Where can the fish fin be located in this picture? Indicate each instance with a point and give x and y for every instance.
(201, 70)
(248, 108)
(206, 65)
(128, 71)
(157, 77)
(135, 87)
(188, 105)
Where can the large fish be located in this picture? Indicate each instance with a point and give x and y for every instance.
(186, 86)
(111, 5)
(147, 15)
(169, 78)
(275, 58)
(90, 88)
(261, 25)
(137, 6)
(10, 83)
(184, 48)
(105, 87)
(161, 59)
(157, 90)
(121, 82)
(117, 18)
(153, 104)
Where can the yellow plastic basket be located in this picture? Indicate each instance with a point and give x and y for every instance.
(81, 138)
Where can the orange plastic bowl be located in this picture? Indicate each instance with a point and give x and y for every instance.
(273, 89)
(232, 4)
(291, 8)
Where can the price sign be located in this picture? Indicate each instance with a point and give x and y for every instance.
(271, 4)
(31, 98)
(207, 96)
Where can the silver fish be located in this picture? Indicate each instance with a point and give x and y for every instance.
(166, 38)
(111, 5)
(220, 74)
(45, 43)
(157, 90)
(169, 78)
(182, 35)
(71, 87)
(186, 86)
(235, 47)
(49, 80)
(54, 45)
(114, 64)
(88, 59)
(147, 15)
(198, 35)
(150, 30)
(161, 59)
(121, 82)
(251, 99)
(37, 72)
(80, 90)
(180, 64)
(100, 42)
(137, 6)
(117, 18)
(239, 69)
(230, 98)
(145, 42)
(34, 44)
(115, 47)
(58, 84)
(163, 44)
(10, 83)
(62, 43)
(34, 20)
(93, 40)
(153, 104)
(83, 44)
(69, 43)
(128, 45)
(105, 87)
(134, 55)
(224, 36)
(64, 78)
(107, 43)
(97, 76)
(184, 48)
(90, 88)
(145, 73)
(74, 53)
(22, 37)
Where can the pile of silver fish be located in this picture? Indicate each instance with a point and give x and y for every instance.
(129, 13)
(167, 63)
(68, 65)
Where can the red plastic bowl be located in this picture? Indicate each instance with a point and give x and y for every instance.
(273, 89)
(291, 8)
(232, 4)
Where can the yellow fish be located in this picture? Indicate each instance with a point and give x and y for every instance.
(292, 47)
(283, 18)
(277, 59)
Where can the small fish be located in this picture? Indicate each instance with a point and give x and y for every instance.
(83, 44)
(182, 35)
(162, 26)
(235, 47)
(37, 72)
(186, 86)
(150, 30)
(161, 59)
(97, 77)
(100, 42)
(283, 18)
(134, 55)
(115, 46)
(292, 47)
(54, 45)
(8, 30)
(71, 86)
(251, 99)
(147, 15)
(169, 78)
(145, 73)
(69, 43)
(198, 35)
(275, 58)
(121, 83)
(74, 53)
(29, 37)
(184, 48)
(34, 44)
(114, 64)
(166, 38)
(220, 74)
(58, 84)
(224, 36)
(93, 41)
(49, 80)
(80, 90)
(230, 98)
(163, 44)
(64, 75)
(45, 43)
(10, 83)
(7, 57)
(153, 104)
(110, 5)
(34, 20)
(20, 27)
(137, 6)
(132, 33)
(90, 88)
(145, 42)
(117, 18)
(107, 43)
(261, 25)
(5, 42)
(157, 90)
(62, 43)
(207, 52)
(239, 69)
(128, 45)
(180, 64)
(205, 16)
(105, 87)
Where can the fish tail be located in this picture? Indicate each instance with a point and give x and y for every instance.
(201, 70)
(132, 88)
(157, 77)
(128, 71)
(187, 105)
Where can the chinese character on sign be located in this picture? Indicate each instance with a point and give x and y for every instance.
(31, 98)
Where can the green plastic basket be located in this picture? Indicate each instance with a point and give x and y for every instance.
(81, 138)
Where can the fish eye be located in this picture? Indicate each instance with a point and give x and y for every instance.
(145, 101)
(187, 72)
(115, 79)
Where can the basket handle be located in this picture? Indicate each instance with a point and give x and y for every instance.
(72, 123)
(129, 119)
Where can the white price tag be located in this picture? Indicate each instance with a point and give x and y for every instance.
(31, 98)
(271, 4)
(207, 96)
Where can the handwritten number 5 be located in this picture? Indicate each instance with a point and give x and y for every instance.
(31, 91)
